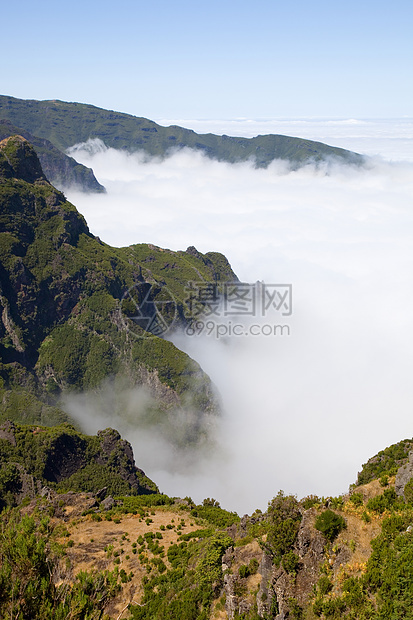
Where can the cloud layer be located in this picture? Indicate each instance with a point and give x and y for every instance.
(302, 413)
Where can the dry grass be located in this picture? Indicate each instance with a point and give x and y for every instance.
(103, 545)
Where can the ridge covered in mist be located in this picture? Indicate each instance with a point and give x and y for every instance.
(66, 124)
(68, 306)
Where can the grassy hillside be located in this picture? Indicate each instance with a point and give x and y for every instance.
(66, 124)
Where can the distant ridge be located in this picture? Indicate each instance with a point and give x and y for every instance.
(66, 124)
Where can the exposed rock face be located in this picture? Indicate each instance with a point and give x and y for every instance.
(404, 475)
(273, 585)
(65, 456)
(118, 452)
(7, 432)
(310, 547)
(265, 594)
(239, 590)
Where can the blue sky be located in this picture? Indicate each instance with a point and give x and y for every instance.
(215, 59)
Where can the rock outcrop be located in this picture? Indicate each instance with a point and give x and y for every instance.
(404, 475)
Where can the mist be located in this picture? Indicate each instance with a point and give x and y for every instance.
(301, 412)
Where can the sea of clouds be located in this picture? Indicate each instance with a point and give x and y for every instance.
(304, 411)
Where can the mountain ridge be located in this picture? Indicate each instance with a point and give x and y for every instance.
(66, 124)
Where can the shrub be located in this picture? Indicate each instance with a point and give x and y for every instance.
(330, 524)
(324, 585)
(243, 571)
(366, 517)
(250, 569)
(386, 501)
(28, 555)
(296, 610)
(284, 516)
(357, 499)
(310, 501)
(290, 562)
(212, 512)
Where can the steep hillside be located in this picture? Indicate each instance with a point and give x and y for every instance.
(63, 459)
(76, 312)
(66, 124)
(61, 170)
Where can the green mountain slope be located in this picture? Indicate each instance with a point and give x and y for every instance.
(62, 171)
(68, 303)
(66, 124)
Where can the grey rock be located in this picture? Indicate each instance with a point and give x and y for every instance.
(101, 494)
(46, 492)
(108, 503)
(7, 432)
(404, 475)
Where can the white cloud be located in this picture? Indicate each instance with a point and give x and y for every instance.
(301, 413)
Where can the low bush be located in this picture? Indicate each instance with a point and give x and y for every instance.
(330, 524)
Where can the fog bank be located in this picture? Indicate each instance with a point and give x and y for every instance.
(302, 412)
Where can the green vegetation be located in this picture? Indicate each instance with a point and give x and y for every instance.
(245, 570)
(212, 512)
(29, 554)
(66, 460)
(385, 590)
(62, 171)
(330, 524)
(386, 462)
(186, 591)
(284, 518)
(386, 501)
(290, 562)
(356, 499)
(68, 305)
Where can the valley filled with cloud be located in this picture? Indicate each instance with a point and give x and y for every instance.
(301, 412)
